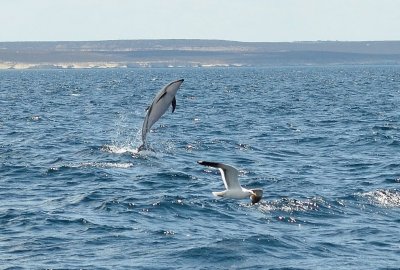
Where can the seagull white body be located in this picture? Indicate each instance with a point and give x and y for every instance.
(233, 188)
(164, 98)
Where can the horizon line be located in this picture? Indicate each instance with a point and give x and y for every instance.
(198, 39)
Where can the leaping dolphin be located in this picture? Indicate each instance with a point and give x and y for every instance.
(159, 106)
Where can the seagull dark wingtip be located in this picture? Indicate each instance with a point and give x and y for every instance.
(209, 163)
(257, 195)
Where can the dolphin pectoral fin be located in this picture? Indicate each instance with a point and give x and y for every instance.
(173, 104)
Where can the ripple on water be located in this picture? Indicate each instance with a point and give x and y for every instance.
(74, 192)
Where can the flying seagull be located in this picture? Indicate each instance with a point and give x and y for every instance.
(233, 188)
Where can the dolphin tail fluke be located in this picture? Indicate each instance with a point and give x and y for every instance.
(142, 147)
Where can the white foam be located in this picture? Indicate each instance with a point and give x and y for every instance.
(119, 149)
(95, 165)
(387, 198)
(107, 165)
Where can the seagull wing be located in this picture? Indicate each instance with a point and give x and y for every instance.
(229, 174)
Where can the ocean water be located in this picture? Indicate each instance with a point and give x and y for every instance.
(322, 142)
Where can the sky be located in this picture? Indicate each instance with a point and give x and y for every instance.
(240, 20)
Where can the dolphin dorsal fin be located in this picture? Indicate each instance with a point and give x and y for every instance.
(173, 104)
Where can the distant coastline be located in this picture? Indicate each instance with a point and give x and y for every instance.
(193, 53)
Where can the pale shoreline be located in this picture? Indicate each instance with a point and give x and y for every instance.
(193, 53)
(103, 65)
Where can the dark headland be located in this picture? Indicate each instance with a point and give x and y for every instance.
(193, 53)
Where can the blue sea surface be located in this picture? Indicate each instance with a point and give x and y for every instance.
(322, 142)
